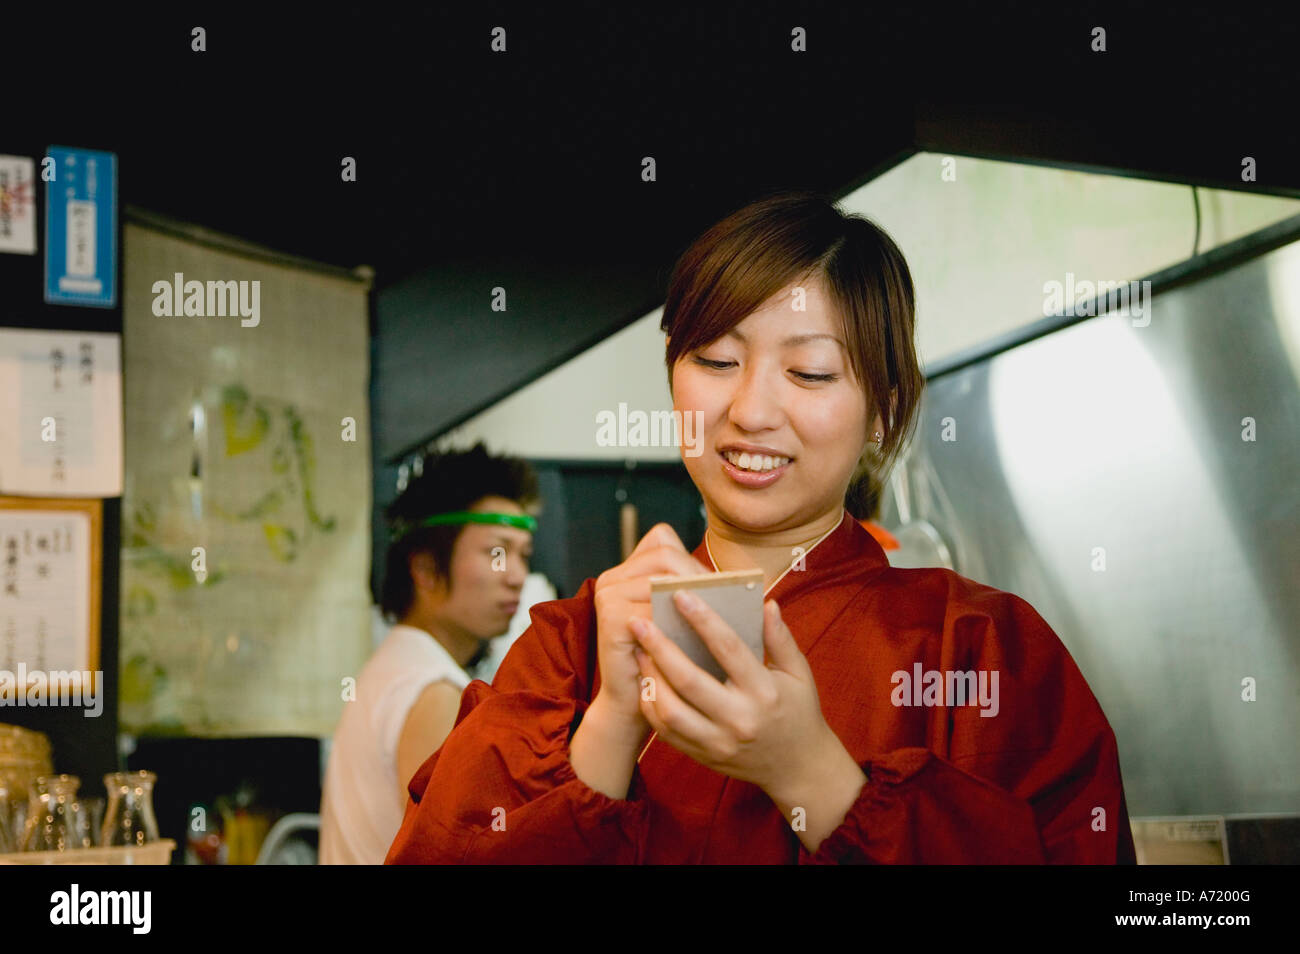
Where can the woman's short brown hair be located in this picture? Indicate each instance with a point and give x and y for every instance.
(794, 238)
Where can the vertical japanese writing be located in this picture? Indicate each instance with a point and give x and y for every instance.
(6, 204)
(87, 362)
(62, 397)
(81, 237)
(11, 567)
(10, 643)
(44, 589)
(56, 366)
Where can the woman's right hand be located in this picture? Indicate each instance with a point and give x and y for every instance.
(623, 592)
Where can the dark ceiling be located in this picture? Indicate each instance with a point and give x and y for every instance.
(537, 152)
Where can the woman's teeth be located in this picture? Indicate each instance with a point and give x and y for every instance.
(755, 462)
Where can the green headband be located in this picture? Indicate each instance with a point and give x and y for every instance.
(456, 517)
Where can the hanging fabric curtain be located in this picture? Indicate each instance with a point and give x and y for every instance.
(246, 509)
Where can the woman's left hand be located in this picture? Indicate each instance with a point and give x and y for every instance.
(764, 725)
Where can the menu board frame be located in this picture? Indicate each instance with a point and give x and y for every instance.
(94, 508)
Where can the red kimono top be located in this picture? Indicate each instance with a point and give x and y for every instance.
(1037, 782)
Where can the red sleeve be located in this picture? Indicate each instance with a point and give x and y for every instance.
(917, 808)
(1058, 797)
(501, 789)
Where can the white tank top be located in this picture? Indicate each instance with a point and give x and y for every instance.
(363, 801)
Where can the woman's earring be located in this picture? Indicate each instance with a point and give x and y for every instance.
(876, 437)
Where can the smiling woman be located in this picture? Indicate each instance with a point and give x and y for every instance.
(787, 325)
(835, 289)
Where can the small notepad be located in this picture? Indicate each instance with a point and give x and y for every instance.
(735, 595)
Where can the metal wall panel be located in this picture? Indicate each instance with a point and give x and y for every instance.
(1106, 474)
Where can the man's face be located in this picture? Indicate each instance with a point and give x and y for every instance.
(779, 381)
(488, 566)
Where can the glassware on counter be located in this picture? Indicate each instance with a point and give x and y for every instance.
(18, 816)
(90, 820)
(52, 815)
(129, 818)
(24, 757)
(8, 836)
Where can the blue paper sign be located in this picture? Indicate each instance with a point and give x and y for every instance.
(81, 228)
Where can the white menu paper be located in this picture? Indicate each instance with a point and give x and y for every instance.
(44, 590)
(60, 413)
(17, 205)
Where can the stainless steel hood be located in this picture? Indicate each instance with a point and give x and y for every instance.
(1138, 485)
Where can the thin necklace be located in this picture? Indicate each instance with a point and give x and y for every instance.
(765, 592)
(709, 551)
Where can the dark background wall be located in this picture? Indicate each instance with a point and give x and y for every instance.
(578, 532)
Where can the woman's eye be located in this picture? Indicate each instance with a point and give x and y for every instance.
(802, 375)
(709, 363)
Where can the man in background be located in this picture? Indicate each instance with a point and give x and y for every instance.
(461, 541)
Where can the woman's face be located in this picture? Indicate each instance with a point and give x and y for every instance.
(778, 385)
